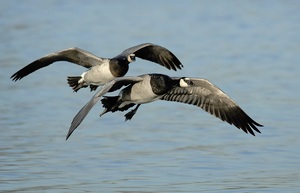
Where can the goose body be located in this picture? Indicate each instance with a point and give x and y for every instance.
(151, 87)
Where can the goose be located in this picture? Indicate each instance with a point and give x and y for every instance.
(102, 70)
(151, 87)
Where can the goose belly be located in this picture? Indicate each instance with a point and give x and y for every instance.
(98, 75)
(141, 93)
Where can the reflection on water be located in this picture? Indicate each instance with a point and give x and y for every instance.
(248, 49)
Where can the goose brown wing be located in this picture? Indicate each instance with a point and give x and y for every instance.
(214, 101)
(111, 86)
(155, 53)
(73, 55)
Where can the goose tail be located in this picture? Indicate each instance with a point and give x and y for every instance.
(75, 82)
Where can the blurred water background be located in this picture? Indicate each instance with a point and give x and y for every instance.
(250, 49)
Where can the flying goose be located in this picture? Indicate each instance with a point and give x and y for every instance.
(102, 70)
(150, 87)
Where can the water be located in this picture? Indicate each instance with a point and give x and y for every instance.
(250, 49)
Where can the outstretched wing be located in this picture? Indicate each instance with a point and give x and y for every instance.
(73, 55)
(155, 53)
(111, 86)
(214, 101)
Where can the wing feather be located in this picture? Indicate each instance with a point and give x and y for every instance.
(108, 87)
(214, 101)
(155, 53)
(73, 55)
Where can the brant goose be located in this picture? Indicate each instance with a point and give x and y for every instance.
(102, 70)
(150, 87)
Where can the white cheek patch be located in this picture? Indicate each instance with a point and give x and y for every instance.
(183, 83)
(131, 57)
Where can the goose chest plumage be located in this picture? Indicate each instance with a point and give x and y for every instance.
(151, 87)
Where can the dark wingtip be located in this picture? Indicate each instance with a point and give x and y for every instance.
(244, 122)
(25, 71)
(15, 77)
(68, 135)
(75, 123)
(180, 66)
(253, 126)
(73, 126)
(175, 63)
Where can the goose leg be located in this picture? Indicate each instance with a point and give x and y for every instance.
(129, 115)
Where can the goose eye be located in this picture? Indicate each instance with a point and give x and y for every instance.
(188, 81)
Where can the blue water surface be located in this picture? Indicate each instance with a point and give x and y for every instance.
(250, 49)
